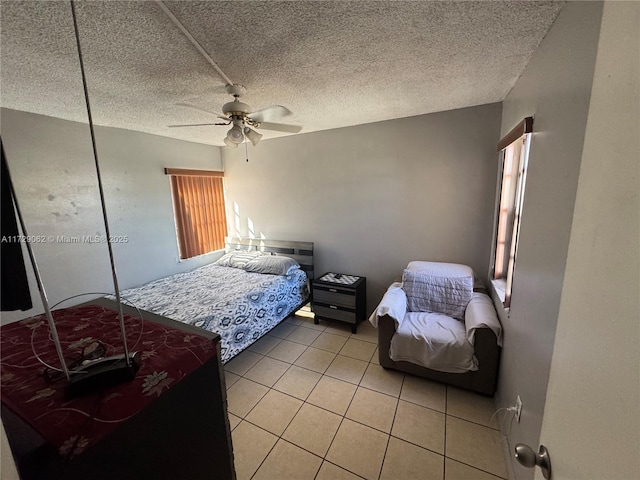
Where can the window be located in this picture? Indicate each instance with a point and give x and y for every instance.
(512, 176)
(199, 210)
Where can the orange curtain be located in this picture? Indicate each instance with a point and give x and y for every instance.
(201, 223)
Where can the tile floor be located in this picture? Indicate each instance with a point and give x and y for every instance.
(311, 402)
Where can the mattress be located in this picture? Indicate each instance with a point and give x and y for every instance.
(238, 305)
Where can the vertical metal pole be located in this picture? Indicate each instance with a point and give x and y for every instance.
(36, 271)
(104, 209)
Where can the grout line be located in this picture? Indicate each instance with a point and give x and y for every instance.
(475, 468)
(386, 448)
(343, 468)
(444, 445)
(471, 421)
(419, 446)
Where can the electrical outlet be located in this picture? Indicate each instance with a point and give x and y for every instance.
(518, 408)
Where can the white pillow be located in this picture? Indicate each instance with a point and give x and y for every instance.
(241, 258)
(237, 258)
(272, 264)
(225, 259)
(442, 288)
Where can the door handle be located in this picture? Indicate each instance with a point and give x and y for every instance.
(528, 458)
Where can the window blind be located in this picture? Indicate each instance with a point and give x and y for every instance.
(199, 209)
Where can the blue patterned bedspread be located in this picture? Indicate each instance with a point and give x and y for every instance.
(240, 306)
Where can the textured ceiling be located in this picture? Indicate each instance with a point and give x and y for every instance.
(333, 63)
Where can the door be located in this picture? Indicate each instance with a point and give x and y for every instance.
(591, 422)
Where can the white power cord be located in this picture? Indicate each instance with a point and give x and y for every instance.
(501, 426)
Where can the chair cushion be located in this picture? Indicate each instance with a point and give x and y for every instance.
(434, 341)
(438, 287)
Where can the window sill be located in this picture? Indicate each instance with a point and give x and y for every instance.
(500, 287)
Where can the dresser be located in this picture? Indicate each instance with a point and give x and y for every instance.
(342, 297)
(170, 422)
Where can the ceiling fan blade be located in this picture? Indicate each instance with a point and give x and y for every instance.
(280, 127)
(194, 125)
(193, 107)
(270, 113)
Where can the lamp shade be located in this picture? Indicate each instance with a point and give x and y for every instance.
(235, 134)
(252, 135)
(229, 143)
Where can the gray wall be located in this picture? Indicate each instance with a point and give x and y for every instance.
(555, 88)
(51, 162)
(592, 401)
(374, 197)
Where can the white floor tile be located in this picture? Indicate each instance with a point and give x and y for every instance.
(475, 445)
(382, 380)
(251, 446)
(332, 394)
(471, 406)
(313, 429)
(359, 449)
(288, 462)
(274, 412)
(243, 395)
(408, 462)
(373, 409)
(419, 425)
(424, 392)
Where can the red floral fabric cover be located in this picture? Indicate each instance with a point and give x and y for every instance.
(72, 426)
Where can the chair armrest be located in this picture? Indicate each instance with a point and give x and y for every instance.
(393, 304)
(481, 313)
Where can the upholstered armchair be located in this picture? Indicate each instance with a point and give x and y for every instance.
(436, 325)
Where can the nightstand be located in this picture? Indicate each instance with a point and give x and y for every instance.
(337, 296)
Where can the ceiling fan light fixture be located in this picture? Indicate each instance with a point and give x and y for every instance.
(253, 136)
(228, 143)
(235, 135)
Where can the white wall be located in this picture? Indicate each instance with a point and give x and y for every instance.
(53, 171)
(592, 416)
(374, 197)
(555, 88)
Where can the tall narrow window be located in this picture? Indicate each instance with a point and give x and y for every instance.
(199, 210)
(512, 176)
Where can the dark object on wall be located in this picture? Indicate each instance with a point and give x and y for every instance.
(15, 286)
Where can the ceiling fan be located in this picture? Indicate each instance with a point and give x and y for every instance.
(244, 121)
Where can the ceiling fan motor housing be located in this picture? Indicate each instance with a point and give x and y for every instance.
(236, 108)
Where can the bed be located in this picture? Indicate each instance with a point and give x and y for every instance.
(230, 299)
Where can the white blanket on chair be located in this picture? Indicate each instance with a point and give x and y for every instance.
(435, 341)
(394, 304)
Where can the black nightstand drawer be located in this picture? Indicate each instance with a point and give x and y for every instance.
(335, 312)
(340, 297)
(335, 296)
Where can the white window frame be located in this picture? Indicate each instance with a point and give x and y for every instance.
(511, 183)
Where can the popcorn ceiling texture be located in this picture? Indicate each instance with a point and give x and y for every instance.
(333, 63)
